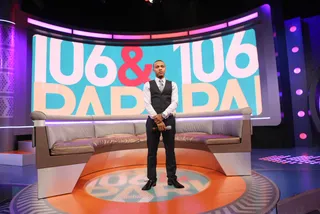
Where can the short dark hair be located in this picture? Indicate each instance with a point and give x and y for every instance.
(158, 60)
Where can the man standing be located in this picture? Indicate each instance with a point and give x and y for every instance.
(161, 101)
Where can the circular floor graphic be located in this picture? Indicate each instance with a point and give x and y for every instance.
(125, 186)
(206, 191)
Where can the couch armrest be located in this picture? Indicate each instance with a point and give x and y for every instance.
(39, 115)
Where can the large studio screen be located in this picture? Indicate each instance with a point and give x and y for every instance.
(73, 78)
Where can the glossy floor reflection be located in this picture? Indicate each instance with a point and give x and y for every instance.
(291, 179)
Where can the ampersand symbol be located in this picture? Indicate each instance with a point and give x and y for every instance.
(131, 62)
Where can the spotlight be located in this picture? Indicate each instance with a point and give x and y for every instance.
(154, 1)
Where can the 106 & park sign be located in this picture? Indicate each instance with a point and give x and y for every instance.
(72, 78)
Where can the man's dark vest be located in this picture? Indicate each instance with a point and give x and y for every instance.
(160, 101)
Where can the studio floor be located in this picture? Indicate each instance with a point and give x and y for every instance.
(292, 171)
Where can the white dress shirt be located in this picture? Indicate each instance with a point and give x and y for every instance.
(147, 99)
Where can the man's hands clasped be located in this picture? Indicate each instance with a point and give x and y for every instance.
(161, 126)
(158, 120)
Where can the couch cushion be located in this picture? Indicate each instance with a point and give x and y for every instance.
(115, 139)
(194, 126)
(140, 128)
(143, 137)
(199, 137)
(222, 139)
(207, 138)
(72, 147)
(69, 132)
(103, 130)
(190, 136)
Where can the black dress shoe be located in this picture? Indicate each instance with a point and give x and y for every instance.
(175, 183)
(149, 184)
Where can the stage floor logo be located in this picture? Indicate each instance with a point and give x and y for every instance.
(125, 186)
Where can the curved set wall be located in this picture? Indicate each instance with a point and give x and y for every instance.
(228, 65)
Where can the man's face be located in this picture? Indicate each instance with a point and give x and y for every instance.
(160, 69)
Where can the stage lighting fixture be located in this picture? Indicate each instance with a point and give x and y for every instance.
(154, 1)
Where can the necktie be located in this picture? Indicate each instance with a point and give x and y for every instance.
(161, 86)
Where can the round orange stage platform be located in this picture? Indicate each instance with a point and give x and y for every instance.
(119, 191)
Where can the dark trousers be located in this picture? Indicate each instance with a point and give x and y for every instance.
(153, 138)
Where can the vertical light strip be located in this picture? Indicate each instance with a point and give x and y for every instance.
(7, 75)
(298, 82)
